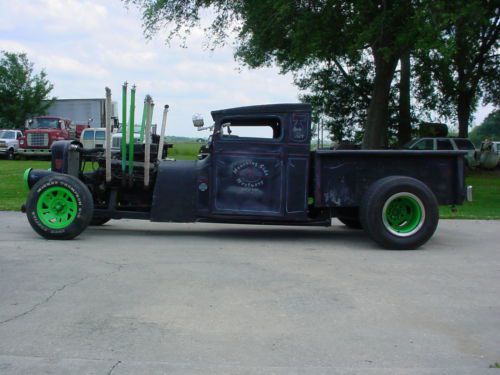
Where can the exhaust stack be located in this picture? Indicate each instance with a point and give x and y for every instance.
(162, 132)
(124, 127)
(108, 107)
(147, 139)
(131, 132)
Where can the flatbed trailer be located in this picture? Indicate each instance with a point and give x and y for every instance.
(271, 179)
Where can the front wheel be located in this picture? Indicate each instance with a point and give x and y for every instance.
(10, 154)
(59, 207)
(399, 212)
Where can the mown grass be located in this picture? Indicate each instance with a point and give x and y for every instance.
(184, 151)
(486, 198)
(486, 204)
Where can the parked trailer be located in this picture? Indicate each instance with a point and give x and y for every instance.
(272, 179)
(82, 111)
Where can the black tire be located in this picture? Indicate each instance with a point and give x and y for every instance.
(378, 218)
(82, 206)
(10, 154)
(98, 221)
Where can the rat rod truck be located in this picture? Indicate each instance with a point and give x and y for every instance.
(268, 176)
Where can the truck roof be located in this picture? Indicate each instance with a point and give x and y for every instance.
(261, 109)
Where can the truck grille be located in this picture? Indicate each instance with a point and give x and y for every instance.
(38, 140)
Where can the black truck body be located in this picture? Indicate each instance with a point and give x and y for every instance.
(275, 179)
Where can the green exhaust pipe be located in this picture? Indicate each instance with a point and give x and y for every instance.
(131, 132)
(124, 127)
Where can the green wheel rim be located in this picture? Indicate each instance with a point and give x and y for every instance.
(403, 214)
(57, 207)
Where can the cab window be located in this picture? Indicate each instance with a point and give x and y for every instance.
(444, 144)
(464, 144)
(424, 144)
(88, 135)
(100, 135)
(250, 128)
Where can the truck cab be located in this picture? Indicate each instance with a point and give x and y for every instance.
(255, 168)
(41, 132)
(9, 142)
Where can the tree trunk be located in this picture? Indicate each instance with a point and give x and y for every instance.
(404, 129)
(464, 104)
(375, 136)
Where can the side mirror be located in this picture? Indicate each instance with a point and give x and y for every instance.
(198, 120)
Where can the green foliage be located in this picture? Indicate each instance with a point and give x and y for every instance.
(22, 92)
(459, 65)
(345, 52)
(490, 128)
(297, 35)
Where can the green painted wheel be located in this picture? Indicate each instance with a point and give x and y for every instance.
(57, 207)
(403, 214)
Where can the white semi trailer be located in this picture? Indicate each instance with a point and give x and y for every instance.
(82, 111)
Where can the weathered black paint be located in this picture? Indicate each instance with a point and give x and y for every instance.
(342, 177)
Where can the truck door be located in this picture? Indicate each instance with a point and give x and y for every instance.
(251, 170)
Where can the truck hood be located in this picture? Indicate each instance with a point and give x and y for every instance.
(7, 140)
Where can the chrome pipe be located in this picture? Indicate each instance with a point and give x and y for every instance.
(107, 152)
(162, 132)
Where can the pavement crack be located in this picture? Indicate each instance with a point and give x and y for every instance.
(44, 301)
(113, 367)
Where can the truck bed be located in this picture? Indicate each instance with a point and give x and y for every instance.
(341, 177)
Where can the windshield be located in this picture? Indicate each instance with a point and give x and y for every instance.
(7, 134)
(47, 123)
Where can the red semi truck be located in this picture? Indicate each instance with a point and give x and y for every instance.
(42, 131)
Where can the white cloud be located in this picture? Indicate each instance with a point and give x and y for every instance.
(87, 45)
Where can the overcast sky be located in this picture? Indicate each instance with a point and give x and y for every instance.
(85, 45)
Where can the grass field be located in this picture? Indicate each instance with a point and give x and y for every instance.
(486, 204)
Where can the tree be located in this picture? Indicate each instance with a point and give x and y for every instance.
(404, 125)
(489, 128)
(299, 34)
(462, 65)
(22, 92)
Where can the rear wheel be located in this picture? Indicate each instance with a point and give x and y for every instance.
(59, 207)
(399, 212)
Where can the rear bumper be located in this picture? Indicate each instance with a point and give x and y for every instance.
(34, 151)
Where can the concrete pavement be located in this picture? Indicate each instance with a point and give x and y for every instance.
(135, 297)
